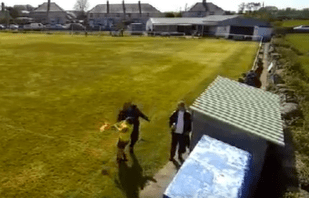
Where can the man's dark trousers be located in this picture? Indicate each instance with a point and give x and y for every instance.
(134, 134)
(186, 141)
(177, 139)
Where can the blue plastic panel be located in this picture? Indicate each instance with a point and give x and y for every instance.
(213, 169)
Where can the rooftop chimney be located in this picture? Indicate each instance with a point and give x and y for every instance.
(205, 5)
(140, 8)
(2, 7)
(124, 8)
(107, 7)
(48, 5)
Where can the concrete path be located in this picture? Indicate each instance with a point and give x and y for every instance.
(263, 77)
(163, 179)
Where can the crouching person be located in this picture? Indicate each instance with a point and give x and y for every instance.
(124, 128)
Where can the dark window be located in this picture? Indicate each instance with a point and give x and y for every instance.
(244, 30)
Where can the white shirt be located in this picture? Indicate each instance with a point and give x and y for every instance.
(180, 122)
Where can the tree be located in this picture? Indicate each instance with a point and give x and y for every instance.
(169, 14)
(178, 14)
(13, 12)
(81, 5)
(230, 13)
(241, 8)
(250, 6)
(172, 14)
(256, 6)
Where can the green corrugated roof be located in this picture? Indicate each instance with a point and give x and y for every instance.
(250, 109)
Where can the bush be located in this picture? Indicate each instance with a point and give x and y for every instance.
(297, 77)
(278, 23)
(292, 195)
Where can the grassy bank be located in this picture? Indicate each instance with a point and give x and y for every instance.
(294, 49)
(292, 23)
(55, 91)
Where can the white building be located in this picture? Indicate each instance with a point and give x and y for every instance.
(228, 26)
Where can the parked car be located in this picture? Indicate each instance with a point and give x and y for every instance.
(2, 27)
(75, 26)
(13, 27)
(55, 27)
(59, 27)
(34, 26)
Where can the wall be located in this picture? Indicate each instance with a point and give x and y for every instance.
(54, 17)
(203, 124)
(223, 31)
(57, 18)
(165, 28)
(194, 14)
(201, 13)
(262, 31)
(212, 30)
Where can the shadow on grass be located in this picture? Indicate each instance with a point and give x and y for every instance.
(131, 179)
(279, 171)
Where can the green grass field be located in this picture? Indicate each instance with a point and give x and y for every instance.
(301, 43)
(56, 90)
(292, 23)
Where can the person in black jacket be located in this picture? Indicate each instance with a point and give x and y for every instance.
(180, 123)
(123, 113)
(252, 79)
(131, 110)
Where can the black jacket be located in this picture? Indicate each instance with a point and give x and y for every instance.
(132, 112)
(187, 120)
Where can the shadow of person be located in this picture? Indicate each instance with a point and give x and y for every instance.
(131, 179)
(176, 164)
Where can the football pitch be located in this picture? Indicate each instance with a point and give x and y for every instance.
(56, 90)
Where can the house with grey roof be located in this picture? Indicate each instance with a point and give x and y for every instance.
(239, 115)
(107, 16)
(56, 15)
(203, 9)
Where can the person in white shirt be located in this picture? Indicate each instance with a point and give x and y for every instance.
(180, 123)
